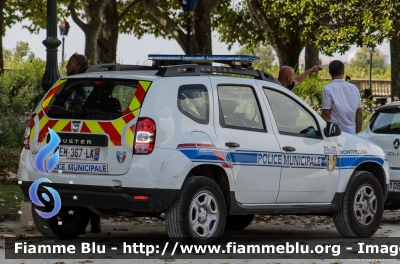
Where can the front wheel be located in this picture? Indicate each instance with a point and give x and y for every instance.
(362, 208)
(198, 214)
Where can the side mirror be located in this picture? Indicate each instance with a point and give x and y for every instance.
(332, 130)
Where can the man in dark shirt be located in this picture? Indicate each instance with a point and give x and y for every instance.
(286, 76)
(78, 63)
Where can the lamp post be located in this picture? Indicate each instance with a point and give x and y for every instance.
(371, 49)
(187, 6)
(51, 74)
(64, 28)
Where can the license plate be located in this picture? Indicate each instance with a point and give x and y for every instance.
(89, 168)
(394, 187)
(81, 153)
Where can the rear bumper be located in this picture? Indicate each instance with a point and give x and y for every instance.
(108, 197)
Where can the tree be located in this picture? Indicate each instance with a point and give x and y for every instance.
(10, 13)
(365, 23)
(286, 25)
(362, 60)
(171, 23)
(93, 10)
(265, 53)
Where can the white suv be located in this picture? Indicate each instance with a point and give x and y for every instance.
(384, 129)
(203, 144)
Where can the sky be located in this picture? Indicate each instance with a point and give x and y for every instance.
(130, 50)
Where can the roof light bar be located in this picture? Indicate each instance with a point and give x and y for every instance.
(236, 61)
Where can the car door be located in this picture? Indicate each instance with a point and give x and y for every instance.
(246, 136)
(309, 173)
(385, 131)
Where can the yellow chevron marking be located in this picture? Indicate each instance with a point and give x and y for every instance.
(60, 125)
(43, 122)
(129, 137)
(119, 125)
(134, 104)
(32, 133)
(145, 85)
(95, 127)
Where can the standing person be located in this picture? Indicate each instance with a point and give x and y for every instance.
(78, 63)
(286, 76)
(341, 101)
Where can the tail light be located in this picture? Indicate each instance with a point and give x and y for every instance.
(28, 129)
(145, 136)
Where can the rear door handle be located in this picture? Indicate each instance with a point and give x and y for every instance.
(289, 148)
(232, 144)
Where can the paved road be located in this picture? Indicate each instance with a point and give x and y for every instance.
(264, 226)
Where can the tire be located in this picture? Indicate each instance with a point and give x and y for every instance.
(238, 222)
(362, 208)
(72, 225)
(207, 218)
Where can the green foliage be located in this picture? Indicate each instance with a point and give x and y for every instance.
(265, 53)
(20, 87)
(365, 23)
(12, 131)
(10, 198)
(312, 88)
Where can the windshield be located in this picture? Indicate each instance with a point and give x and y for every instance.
(387, 122)
(93, 99)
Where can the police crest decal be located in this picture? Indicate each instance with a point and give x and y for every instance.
(330, 158)
(121, 156)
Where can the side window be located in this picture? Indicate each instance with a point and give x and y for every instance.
(239, 108)
(387, 122)
(193, 102)
(290, 116)
(123, 94)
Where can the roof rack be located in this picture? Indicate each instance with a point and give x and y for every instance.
(118, 67)
(196, 70)
(235, 61)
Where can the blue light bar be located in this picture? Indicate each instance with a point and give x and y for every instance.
(204, 58)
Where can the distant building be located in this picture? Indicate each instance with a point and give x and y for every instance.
(322, 63)
(383, 55)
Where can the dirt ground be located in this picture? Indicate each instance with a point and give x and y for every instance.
(262, 226)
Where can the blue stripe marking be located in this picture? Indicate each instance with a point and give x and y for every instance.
(251, 158)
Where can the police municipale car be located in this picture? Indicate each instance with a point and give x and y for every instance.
(384, 129)
(208, 145)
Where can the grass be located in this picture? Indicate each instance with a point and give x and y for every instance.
(10, 199)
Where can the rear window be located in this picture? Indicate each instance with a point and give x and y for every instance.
(386, 122)
(94, 99)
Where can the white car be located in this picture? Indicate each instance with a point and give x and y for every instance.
(210, 146)
(384, 129)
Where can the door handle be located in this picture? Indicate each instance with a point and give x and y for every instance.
(232, 144)
(289, 148)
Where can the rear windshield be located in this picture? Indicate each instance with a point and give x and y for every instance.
(94, 99)
(386, 122)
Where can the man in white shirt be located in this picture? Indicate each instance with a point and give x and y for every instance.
(341, 101)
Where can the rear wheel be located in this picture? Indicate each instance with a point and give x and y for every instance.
(198, 214)
(238, 222)
(362, 208)
(67, 224)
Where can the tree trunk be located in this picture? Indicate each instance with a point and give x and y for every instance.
(91, 43)
(395, 60)
(202, 38)
(311, 56)
(288, 52)
(2, 2)
(108, 35)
